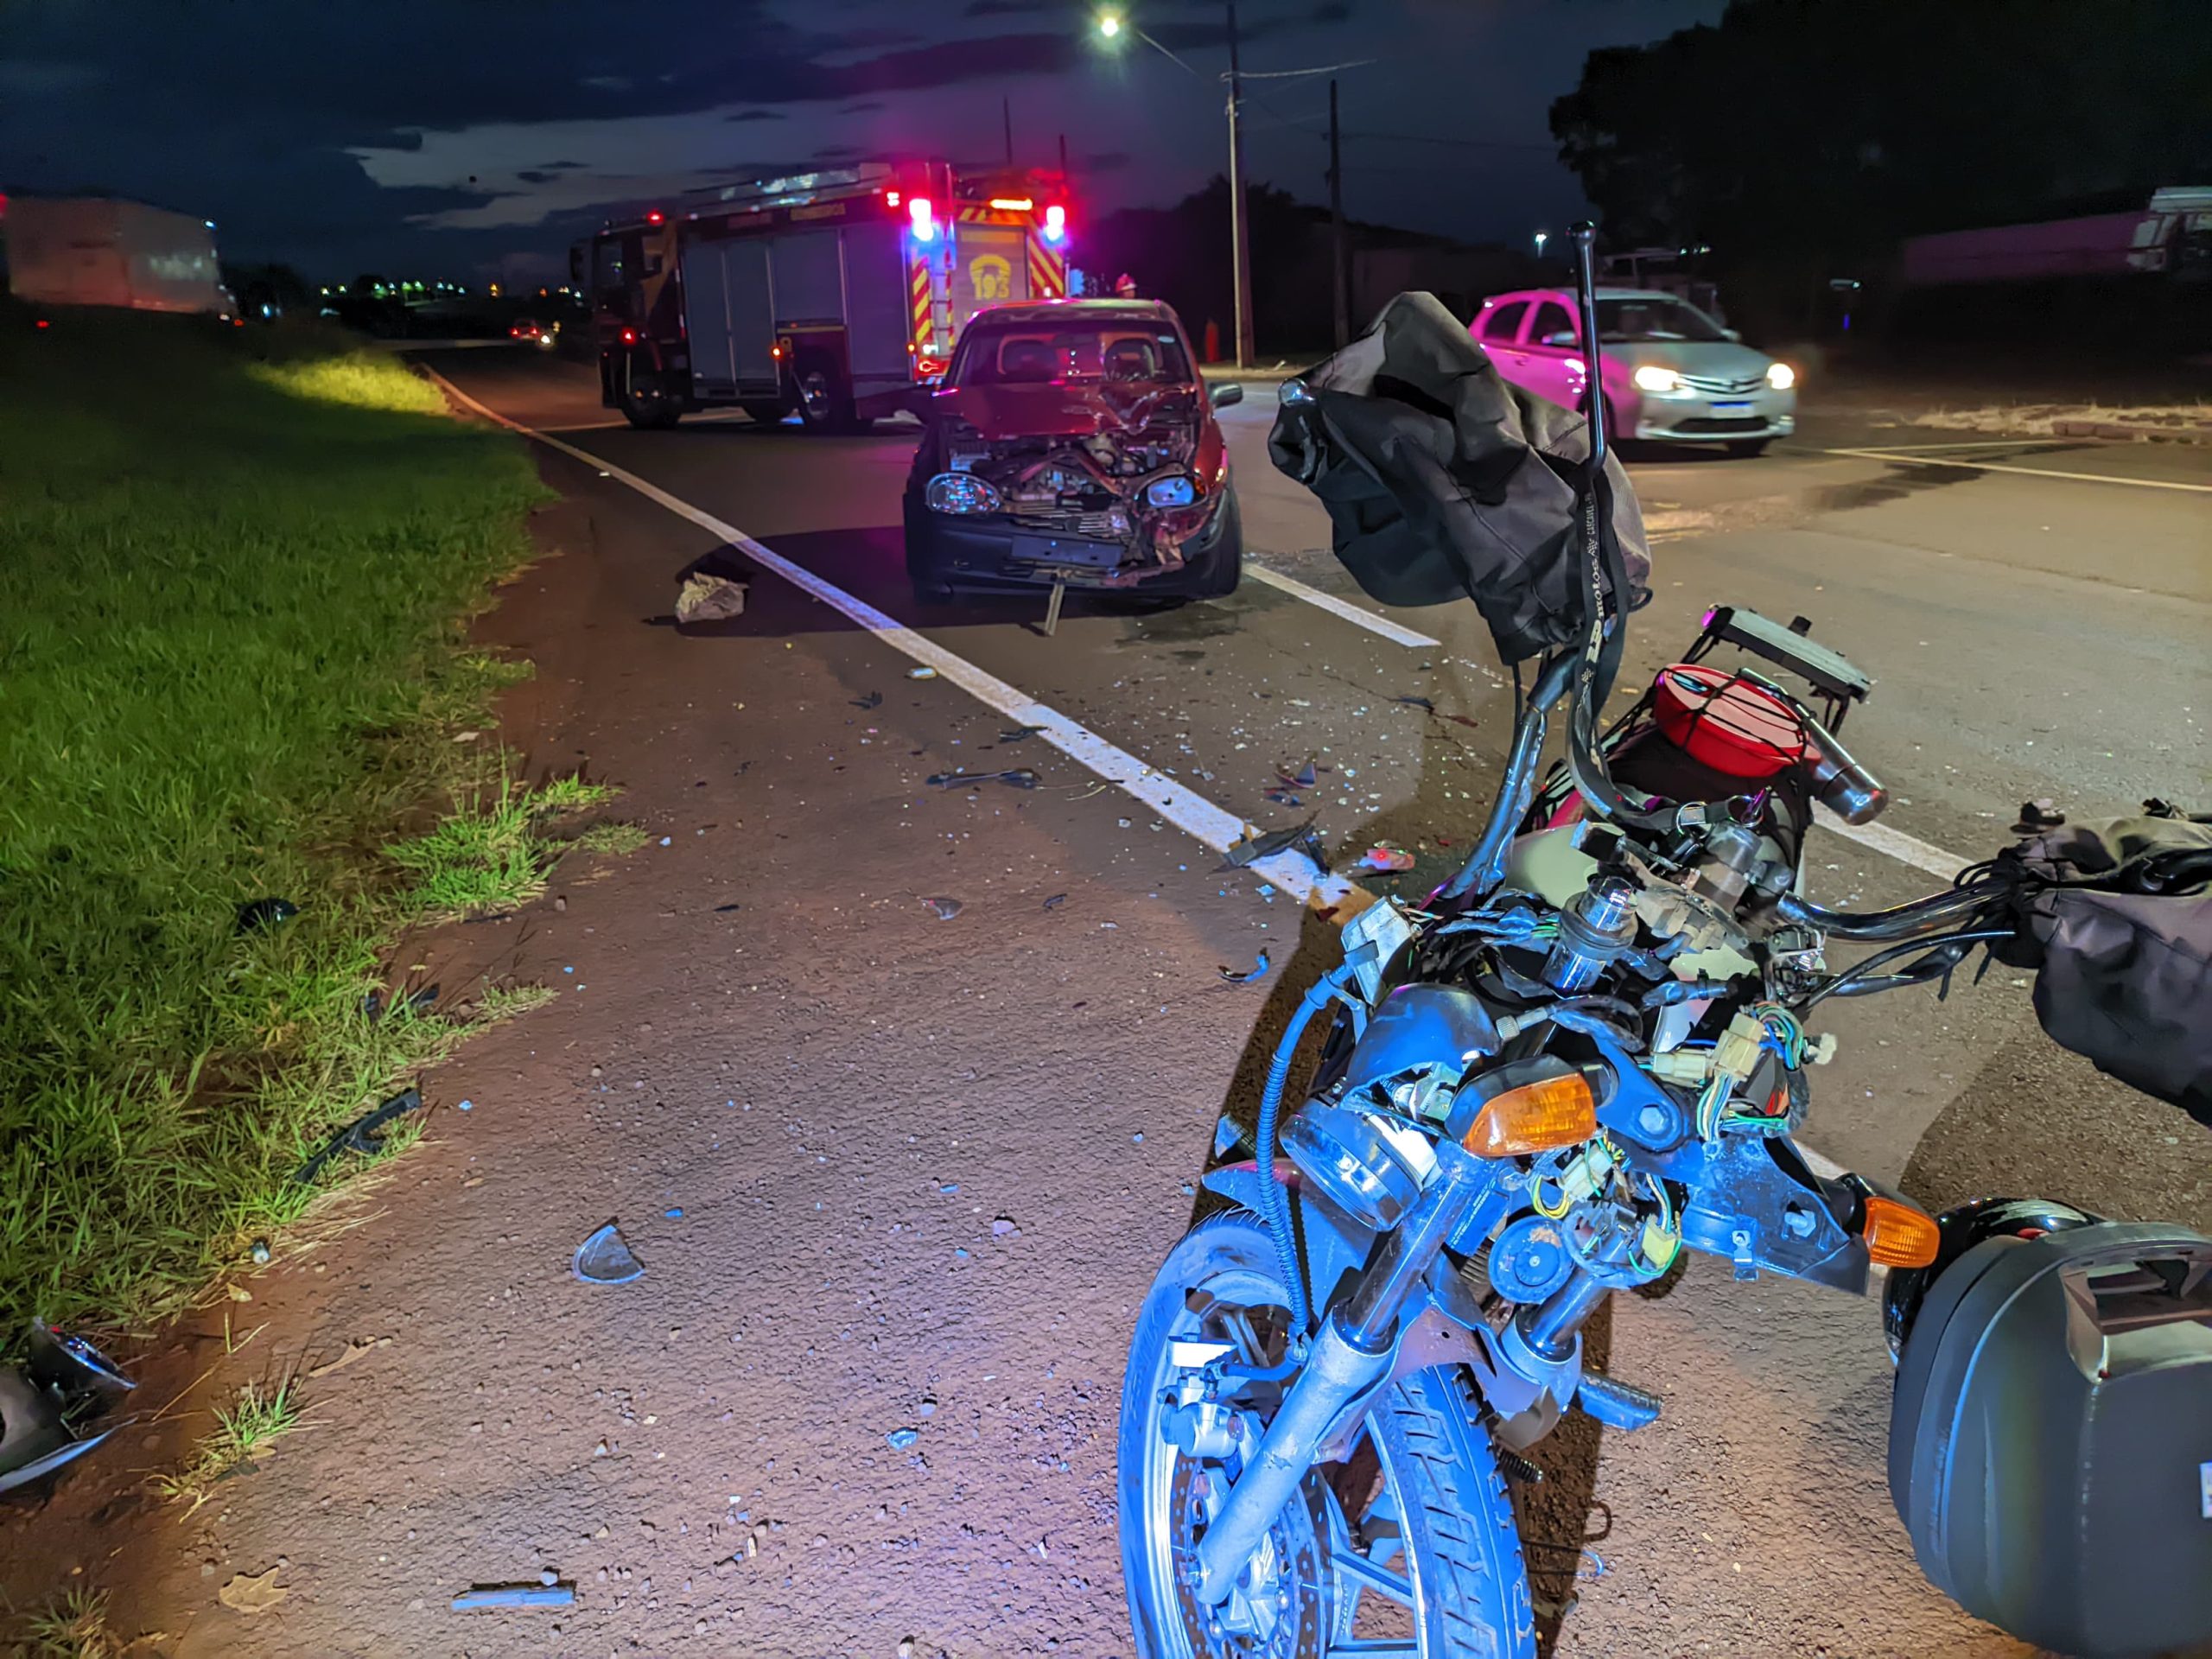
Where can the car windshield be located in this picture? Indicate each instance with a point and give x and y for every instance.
(1014, 355)
(1622, 322)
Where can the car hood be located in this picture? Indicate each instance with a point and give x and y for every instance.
(1065, 408)
(1722, 360)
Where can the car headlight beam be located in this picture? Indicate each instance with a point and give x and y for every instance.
(1781, 376)
(1177, 490)
(1652, 378)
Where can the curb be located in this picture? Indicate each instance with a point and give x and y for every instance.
(2130, 431)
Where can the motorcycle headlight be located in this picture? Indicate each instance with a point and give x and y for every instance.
(1781, 376)
(1371, 1171)
(1652, 378)
(1180, 491)
(961, 492)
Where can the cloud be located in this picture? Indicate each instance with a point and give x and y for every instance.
(756, 115)
(1008, 7)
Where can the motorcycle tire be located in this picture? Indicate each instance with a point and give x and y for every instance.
(1443, 1562)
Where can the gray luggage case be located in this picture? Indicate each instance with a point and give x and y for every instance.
(2051, 1441)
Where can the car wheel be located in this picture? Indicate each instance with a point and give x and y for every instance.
(1224, 566)
(1747, 448)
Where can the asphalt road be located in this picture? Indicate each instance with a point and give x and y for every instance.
(888, 1170)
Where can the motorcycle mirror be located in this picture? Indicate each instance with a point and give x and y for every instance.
(1224, 395)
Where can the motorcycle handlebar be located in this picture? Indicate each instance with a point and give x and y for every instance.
(1934, 914)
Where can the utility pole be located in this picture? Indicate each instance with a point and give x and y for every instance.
(1337, 273)
(1239, 231)
(1063, 158)
(1006, 109)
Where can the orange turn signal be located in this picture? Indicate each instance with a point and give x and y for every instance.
(1535, 1117)
(1898, 1235)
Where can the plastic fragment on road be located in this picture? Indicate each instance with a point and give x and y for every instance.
(1383, 859)
(1013, 777)
(946, 909)
(259, 915)
(1056, 901)
(515, 1595)
(1302, 779)
(921, 673)
(1246, 977)
(899, 1439)
(1416, 702)
(1252, 848)
(1016, 734)
(705, 598)
(1284, 798)
(604, 1259)
(868, 700)
(254, 1594)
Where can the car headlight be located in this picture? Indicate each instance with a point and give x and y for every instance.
(962, 492)
(1652, 378)
(1178, 492)
(1781, 376)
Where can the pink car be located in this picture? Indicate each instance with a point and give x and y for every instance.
(1673, 375)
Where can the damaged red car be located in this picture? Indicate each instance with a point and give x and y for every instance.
(1072, 442)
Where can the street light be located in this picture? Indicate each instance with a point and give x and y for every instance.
(1542, 237)
(1110, 26)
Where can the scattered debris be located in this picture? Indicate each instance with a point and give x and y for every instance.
(1284, 798)
(921, 673)
(1298, 838)
(353, 1351)
(259, 915)
(946, 909)
(900, 1439)
(723, 910)
(1247, 977)
(45, 1408)
(515, 1595)
(707, 598)
(1014, 778)
(360, 1135)
(257, 1594)
(259, 1252)
(1302, 779)
(417, 1002)
(1056, 901)
(2037, 815)
(868, 700)
(1003, 1227)
(1416, 702)
(604, 1259)
(1016, 734)
(1383, 859)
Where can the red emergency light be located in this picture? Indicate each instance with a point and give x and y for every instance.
(891, 198)
(629, 336)
(922, 218)
(654, 216)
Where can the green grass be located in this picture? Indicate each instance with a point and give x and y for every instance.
(491, 853)
(262, 1415)
(74, 1627)
(233, 572)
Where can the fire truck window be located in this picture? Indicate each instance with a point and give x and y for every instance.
(607, 264)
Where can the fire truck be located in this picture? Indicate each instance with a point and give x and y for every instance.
(835, 294)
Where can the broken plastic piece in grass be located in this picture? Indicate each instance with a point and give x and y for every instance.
(69, 1366)
(604, 1259)
(1013, 777)
(707, 598)
(259, 915)
(415, 1002)
(360, 1135)
(514, 1595)
(35, 1439)
(946, 909)
(1245, 978)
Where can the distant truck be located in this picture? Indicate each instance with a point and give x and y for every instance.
(2171, 238)
(105, 250)
(837, 293)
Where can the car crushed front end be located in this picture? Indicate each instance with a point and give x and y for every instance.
(1081, 480)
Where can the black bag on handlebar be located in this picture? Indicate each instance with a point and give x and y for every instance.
(1443, 481)
(2124, 952)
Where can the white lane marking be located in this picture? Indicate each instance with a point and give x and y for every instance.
(1895, 843)
(2022, 441)
(2031, 472)
(1179, 806)
(1335, 607)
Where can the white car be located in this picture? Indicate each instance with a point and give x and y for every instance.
(1672, 374)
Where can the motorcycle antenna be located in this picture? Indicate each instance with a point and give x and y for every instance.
(1585, 238)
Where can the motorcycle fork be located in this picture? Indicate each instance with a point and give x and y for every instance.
(1348, 1357)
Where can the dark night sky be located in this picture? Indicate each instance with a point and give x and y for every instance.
(342, 137)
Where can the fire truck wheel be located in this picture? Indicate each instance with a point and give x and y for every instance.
(768, 412)
(654, 411)
(826, 402)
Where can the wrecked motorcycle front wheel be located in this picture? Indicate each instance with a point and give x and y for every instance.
(1405, 1546)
